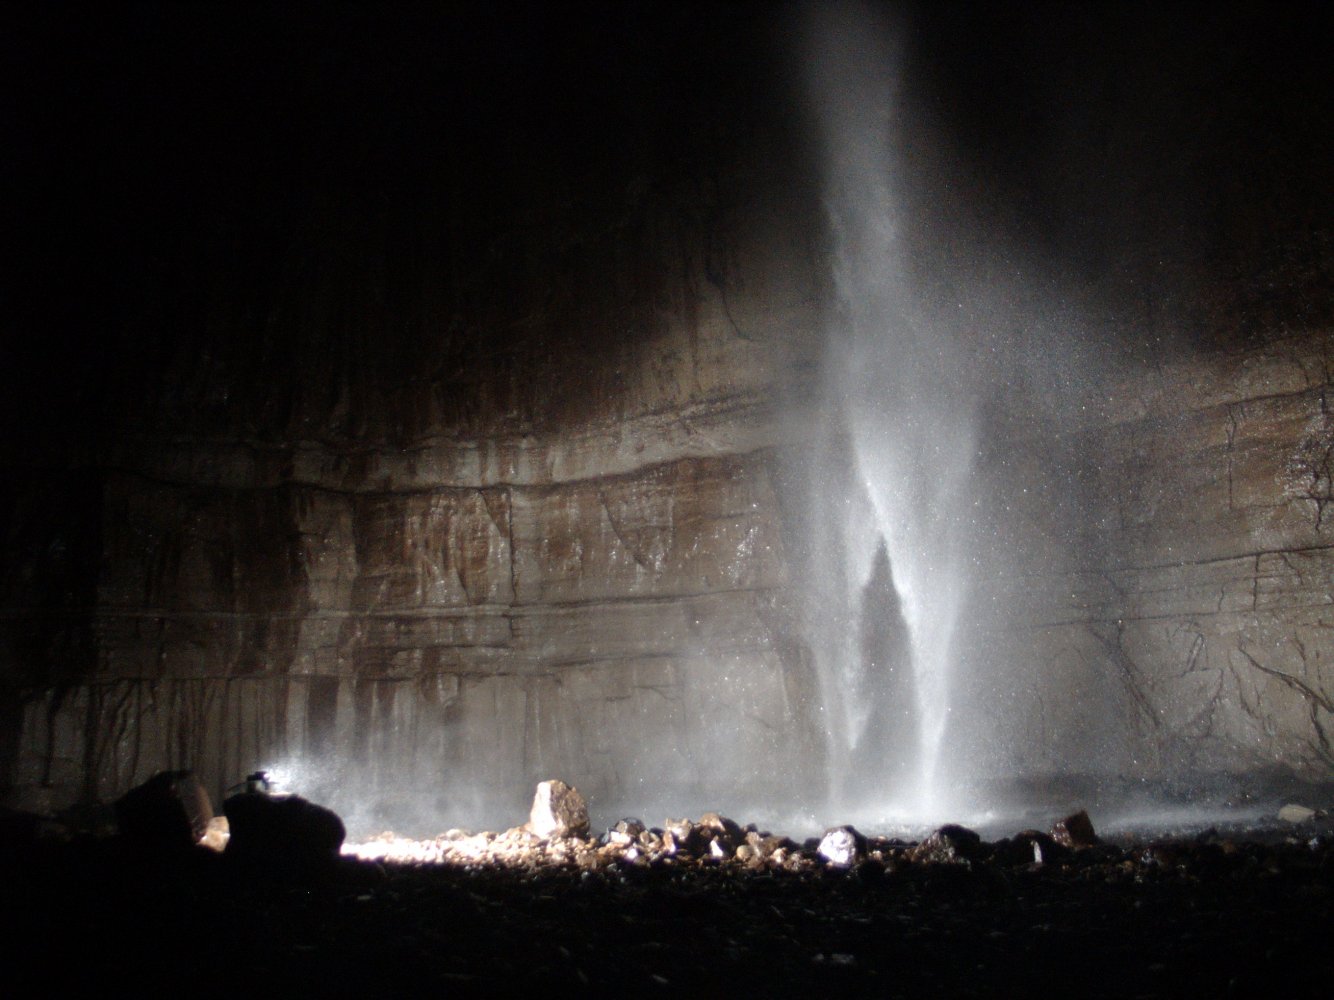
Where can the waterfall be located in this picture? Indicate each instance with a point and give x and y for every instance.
(892, 499)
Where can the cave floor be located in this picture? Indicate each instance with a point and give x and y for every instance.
(1174, 920)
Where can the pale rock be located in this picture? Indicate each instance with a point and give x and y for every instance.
(1293, 813)
(216, 836)
(558, 811)
(684, 837)
(841, 846)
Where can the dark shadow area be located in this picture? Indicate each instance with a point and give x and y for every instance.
(885, 755)
(1204, 918)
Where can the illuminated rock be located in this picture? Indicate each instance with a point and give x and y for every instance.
(216, 836)
(842, 846)
(558, 811)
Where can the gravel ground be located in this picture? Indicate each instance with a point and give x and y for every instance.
(1208, 917)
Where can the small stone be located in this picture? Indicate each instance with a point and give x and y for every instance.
(767, 845)
(841, 846)
(625, 832)
(721, 827)
(951, 844)
(1028, 847)
(1293, 813)
(1075, 831)
(216, 836)
(684, 837)
(558, 811)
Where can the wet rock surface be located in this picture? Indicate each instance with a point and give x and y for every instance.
(497, 913)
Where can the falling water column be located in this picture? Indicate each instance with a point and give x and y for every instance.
(897, 390)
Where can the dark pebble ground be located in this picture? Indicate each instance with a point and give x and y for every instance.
(1184, 919)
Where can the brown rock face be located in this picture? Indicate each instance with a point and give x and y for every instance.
(421, 579)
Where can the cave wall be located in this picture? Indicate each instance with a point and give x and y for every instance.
(432, 431)
(421, 571)
(1166, 609)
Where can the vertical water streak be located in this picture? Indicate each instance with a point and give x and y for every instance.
(898, 390)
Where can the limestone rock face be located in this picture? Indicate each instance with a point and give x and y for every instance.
(420, 580)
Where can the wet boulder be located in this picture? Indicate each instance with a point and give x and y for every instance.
(170, 811)
(1075, 831)
(841, 846)
(281, 830)
(951, 844)
(558, 811)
